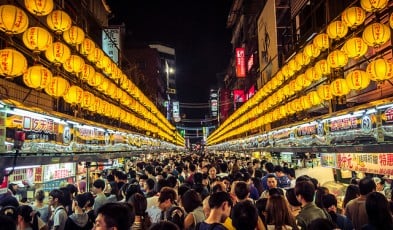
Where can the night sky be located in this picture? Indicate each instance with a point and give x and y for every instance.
(196, 29)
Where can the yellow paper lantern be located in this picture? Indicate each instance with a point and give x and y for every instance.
(116, 74)
(96, 80)
(87, 99)
(280, 77)
(353, 16)
(339, 87)
(294, 88)
(302, 59)
(57, 53)
(12, 63)
(87, 47)
(337, 30)
(74, 64)
(96, 101)
(57, 87)
(325, 92)
(322, 67)
(314, 98)
(37, 39)
(373, 5)
(321, 41)
(287, 72)
(103, 86)
(391, 20)
(87, 72)
(355, 47)
(287, 90)
(96, 55)
(13, 20)
(337, 59)
(376, 34)
(311, 51)
(104, 62)
(37, 77)
(297, 104)
(110, 68)
(306, 103)
(110, 91)
(301, 82)
(74, 95)
(312, 75)
(283, 111)
(74, 36)
(59, 21)
(380, 69)
(39, 7)
(357, 80)
(293, 65)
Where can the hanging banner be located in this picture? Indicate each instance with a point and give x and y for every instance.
(111, 43)
(240, 62)
(378, 163)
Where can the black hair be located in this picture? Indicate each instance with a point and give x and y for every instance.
(120, 215)
(191, 200)
(28, 215)
(99, 183)
(244, 216)
(241, 190)
(164, 225)
(366, 185)
(150, 183)
(57, 193)
(306, 190)
(218, 198)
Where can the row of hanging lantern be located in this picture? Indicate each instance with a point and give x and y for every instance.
(374, 35)
(14, 20)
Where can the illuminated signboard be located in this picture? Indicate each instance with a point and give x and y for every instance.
(240, 63)
(111, 43)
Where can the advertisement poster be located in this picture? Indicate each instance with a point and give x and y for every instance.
(378, 163)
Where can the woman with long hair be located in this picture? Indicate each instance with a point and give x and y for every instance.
(278, 215)
(351, 193)
(142, 219)
(192, 203)
(378, 212)
(27, 218)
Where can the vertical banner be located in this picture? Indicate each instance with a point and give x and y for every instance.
(267, 41)
(176, 111)
(240, 62)
(111, 43)
(224, 104)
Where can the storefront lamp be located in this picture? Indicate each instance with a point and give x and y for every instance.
(37, 39)
(321, 41)
(59, 21)
(325, 92)
(339, 87)
(74, 36)
(13, 20)
(373, 5)
(357, 80)
(353, 16)
(337, 59)
(39, 7)
(57, 53)
(57, 87)
(380, 69)
(337, 30)
(74, 64)
(12, 63)
(37, 77)
(74, 95)
(376, 34)
(355, 47)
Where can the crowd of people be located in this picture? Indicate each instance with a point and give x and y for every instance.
(202, 192)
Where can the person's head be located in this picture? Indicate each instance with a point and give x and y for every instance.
(269, 167)
(320, 191)
(218, 186)
(139, 202)
(278, 171)
(256, 164)
(276, 191)
(244, 215)
(118, 216)
(90, 199)
(132, 189)
(329, 202)
(277, 211)
(351, 193)
(227, 182)
(212, 172)
(164, 225)
(176, 215)
(149, 169)
(191, 200)
(198, 178)
(321, 224)
(379, 183)
(56, 197)
(241, 190)
(167, 197)
(73, 189)
(378, 211)
(271, 181)
(98, 186)
(39, 195)
(27, 215)
(80, 201)
(291, 198)
(260, 204)
(149, 184)
(220, 203)
(366, 186)
(7, 222)
(304, 191)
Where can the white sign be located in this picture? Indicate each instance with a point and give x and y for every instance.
(111, 43)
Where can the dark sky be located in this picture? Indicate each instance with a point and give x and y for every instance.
(196, 29)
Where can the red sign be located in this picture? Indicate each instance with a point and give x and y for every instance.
(239, 96)
(240, 63)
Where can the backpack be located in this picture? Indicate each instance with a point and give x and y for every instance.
(212, 226)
